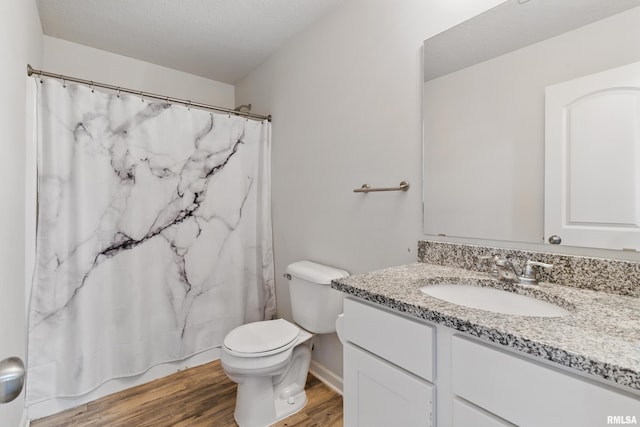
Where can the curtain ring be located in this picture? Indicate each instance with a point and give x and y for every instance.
(40, 77)
(189, 105)
(64, 84)
(118, 92)
(91, 86)
(141, 96)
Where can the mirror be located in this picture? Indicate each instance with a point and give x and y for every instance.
(484, 109)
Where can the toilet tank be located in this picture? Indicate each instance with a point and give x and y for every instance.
(313, 303)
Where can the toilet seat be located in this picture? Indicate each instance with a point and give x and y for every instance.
(263, 338)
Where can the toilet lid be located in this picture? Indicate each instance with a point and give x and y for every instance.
(261, 337)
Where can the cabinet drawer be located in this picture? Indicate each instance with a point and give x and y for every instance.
(379, 394)
(528, 393)
(465, 415)
(404, 342)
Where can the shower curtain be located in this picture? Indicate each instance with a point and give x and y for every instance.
(153, 237)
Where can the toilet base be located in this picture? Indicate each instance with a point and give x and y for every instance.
(283, 408)
(274, 411)
(263, 400)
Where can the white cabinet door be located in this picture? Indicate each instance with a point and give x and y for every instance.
(592, 160)
(379, 394)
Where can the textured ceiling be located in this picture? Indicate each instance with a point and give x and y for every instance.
(222, 40)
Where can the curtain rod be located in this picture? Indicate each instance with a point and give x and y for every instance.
(186, 102)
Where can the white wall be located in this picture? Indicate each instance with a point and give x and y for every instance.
(346, 100)
(20, 43)
(63, 57)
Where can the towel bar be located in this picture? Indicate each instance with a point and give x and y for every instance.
(404, 186)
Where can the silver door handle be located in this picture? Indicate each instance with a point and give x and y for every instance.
(11, 379)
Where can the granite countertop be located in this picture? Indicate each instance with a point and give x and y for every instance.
(601, 336)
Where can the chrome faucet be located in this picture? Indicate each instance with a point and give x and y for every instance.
(503, 269)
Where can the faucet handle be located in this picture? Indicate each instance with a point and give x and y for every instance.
(493, 261)
(503, 262)
(529, 273)
(539, 264)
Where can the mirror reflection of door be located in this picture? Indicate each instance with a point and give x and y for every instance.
(592, 159)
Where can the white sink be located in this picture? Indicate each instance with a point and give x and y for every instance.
(495, 300)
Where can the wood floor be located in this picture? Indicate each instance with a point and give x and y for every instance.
(198, 397)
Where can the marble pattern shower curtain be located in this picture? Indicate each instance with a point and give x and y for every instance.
(153, 239)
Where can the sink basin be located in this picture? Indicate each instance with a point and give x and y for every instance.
(495, 300)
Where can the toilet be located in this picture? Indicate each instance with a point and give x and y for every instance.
(269, 360)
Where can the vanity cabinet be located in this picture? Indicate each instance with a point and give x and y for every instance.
(528, 393)
(394, 364)
(388, 363)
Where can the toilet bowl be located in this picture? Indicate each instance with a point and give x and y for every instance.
(269, 360)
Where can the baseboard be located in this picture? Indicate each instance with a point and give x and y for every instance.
(330, 379)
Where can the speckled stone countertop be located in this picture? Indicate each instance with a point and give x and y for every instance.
(601, 336)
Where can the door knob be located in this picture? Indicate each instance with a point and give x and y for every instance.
(11, 379)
